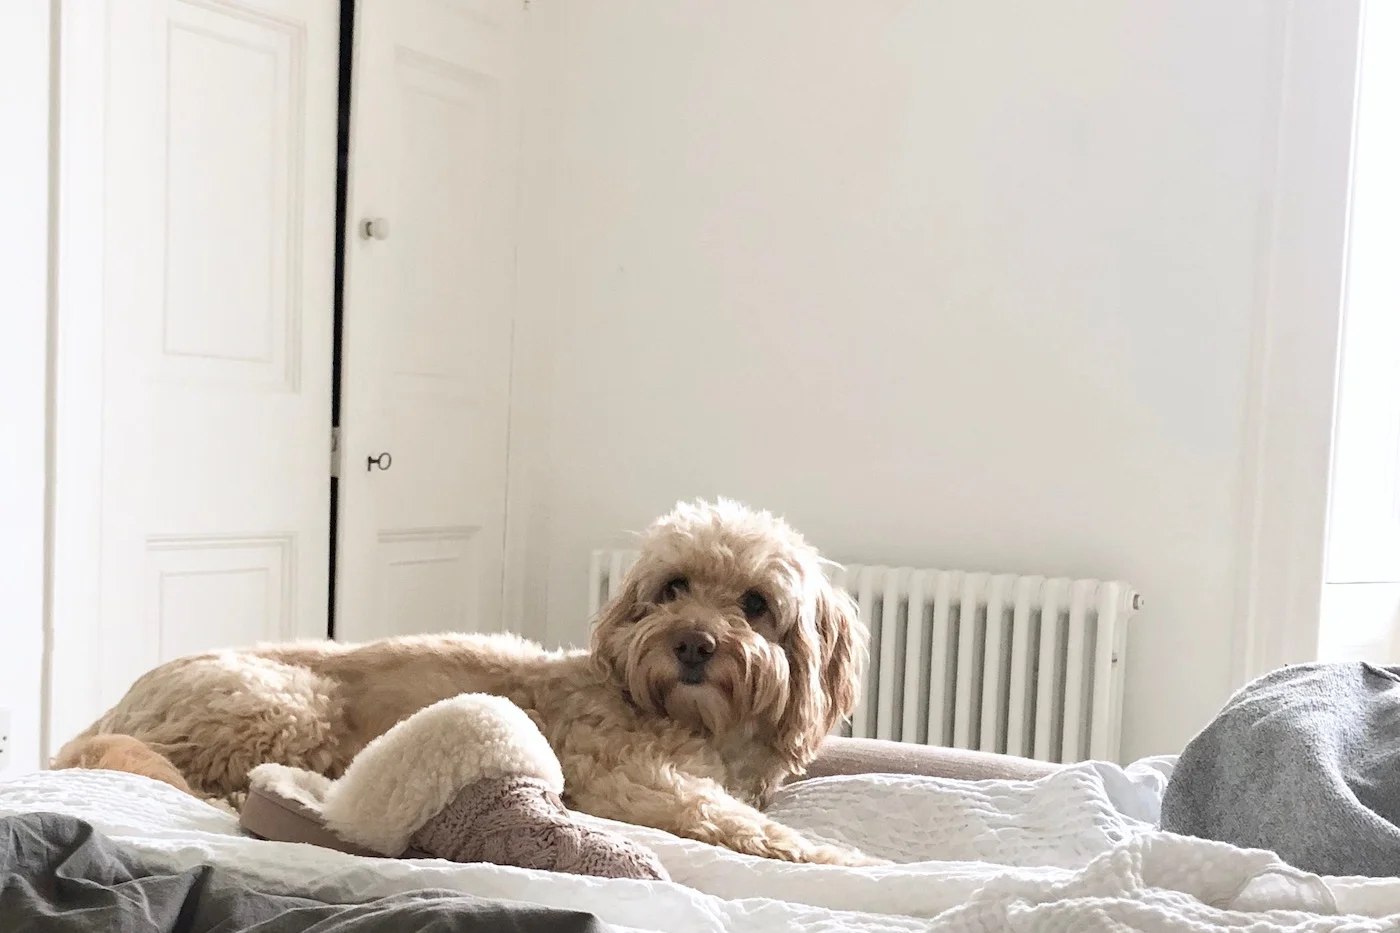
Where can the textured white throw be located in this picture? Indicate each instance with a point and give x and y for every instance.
(1057, 854)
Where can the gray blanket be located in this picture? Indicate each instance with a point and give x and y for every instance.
(58, 874)
(1304, 762)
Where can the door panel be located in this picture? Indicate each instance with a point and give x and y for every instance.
(427, 318)
(219, 220)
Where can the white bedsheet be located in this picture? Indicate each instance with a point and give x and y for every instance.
(1070, 852)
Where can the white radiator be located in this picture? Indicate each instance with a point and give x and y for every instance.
(1018, 664)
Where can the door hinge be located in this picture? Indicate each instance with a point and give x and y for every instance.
(335, 453)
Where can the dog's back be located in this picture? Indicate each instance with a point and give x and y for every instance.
(203, 722)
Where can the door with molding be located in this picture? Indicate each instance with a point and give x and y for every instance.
(219, 219)
(427, 318)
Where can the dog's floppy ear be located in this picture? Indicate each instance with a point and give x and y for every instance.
(825, 656)
(844, 645)
(607, 641)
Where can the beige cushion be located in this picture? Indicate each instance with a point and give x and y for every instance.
(840, 756)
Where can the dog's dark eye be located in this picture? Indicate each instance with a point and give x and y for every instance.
(674, 587)
(753, 604)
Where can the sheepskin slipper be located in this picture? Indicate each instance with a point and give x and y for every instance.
(470, 779)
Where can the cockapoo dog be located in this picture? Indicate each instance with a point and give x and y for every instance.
(710, 681)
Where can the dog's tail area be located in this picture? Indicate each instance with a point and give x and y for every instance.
(113, 752)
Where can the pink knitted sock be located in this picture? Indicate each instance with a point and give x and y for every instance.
(520, 821)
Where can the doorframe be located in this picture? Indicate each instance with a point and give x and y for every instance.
(343, 130)
(72, 662)
(1289, 419)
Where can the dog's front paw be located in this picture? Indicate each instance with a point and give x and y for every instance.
(849, 858)
(785, 845)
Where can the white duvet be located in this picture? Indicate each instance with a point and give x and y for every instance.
(1072, 852)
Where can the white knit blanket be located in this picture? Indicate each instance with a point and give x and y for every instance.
(1056, 854)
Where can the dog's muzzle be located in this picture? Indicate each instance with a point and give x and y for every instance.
(693, 652)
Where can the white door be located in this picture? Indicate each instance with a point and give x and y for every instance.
(427, 318)
(219, 254)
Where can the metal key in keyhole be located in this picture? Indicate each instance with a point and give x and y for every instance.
(383, 461)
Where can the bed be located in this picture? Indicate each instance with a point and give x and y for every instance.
(1069, 848)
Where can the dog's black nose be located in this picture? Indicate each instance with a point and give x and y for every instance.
(694, 649)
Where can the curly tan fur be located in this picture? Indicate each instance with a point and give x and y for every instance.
(641, 736)
(122, 753)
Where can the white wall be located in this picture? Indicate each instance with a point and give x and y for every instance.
(24, 114)
(961, 284)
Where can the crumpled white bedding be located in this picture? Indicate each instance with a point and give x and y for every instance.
(1075, 851)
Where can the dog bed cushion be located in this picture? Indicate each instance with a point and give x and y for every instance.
(846, 756)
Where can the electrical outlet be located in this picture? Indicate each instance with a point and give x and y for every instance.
(4, 739)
